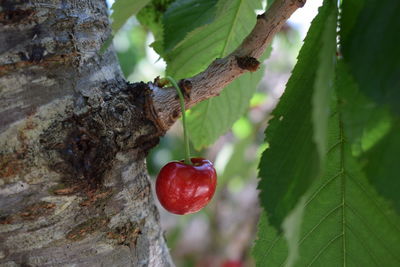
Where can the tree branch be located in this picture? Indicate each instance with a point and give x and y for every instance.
(221, 72)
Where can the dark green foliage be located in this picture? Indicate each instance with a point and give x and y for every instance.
(373, 130)
(370, 44)
(382, 165)
(345, 223)
(183, 16)
(151, 17)
(123, 10)
(291, 163)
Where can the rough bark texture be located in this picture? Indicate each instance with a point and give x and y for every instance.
(74, 189)
(73, 137)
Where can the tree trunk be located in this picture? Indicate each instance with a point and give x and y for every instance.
(74, 189)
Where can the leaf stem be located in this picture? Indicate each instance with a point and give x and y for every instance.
(185, 130)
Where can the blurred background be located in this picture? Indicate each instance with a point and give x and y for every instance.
(222, 234)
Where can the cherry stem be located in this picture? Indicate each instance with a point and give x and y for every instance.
(185, 130)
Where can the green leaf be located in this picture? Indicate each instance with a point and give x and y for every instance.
(291, 163)
(370, 48)
(183, 16)
(151, 17)
(269, 248)
(382, 165)
(346, 223)
(212, 118)
(365, 121)
(123, 10)
(372, 131)
(238, 164)
(349, 15)
(234, 21)
(370, 45)
(323, 85)
(209, 119)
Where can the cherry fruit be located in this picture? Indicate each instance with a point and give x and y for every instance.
(186, 188)
(232, 263)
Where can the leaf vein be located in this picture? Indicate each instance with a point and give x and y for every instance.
(324, 248)
(365, 223)
(319, 223)
(362, 243)
(273, 244)
(324, 185)
(374, 201)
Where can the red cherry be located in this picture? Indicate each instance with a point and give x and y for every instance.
(232, 263)
(183, 188)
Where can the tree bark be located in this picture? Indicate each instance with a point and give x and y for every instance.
(74, 134)
(74, 187)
